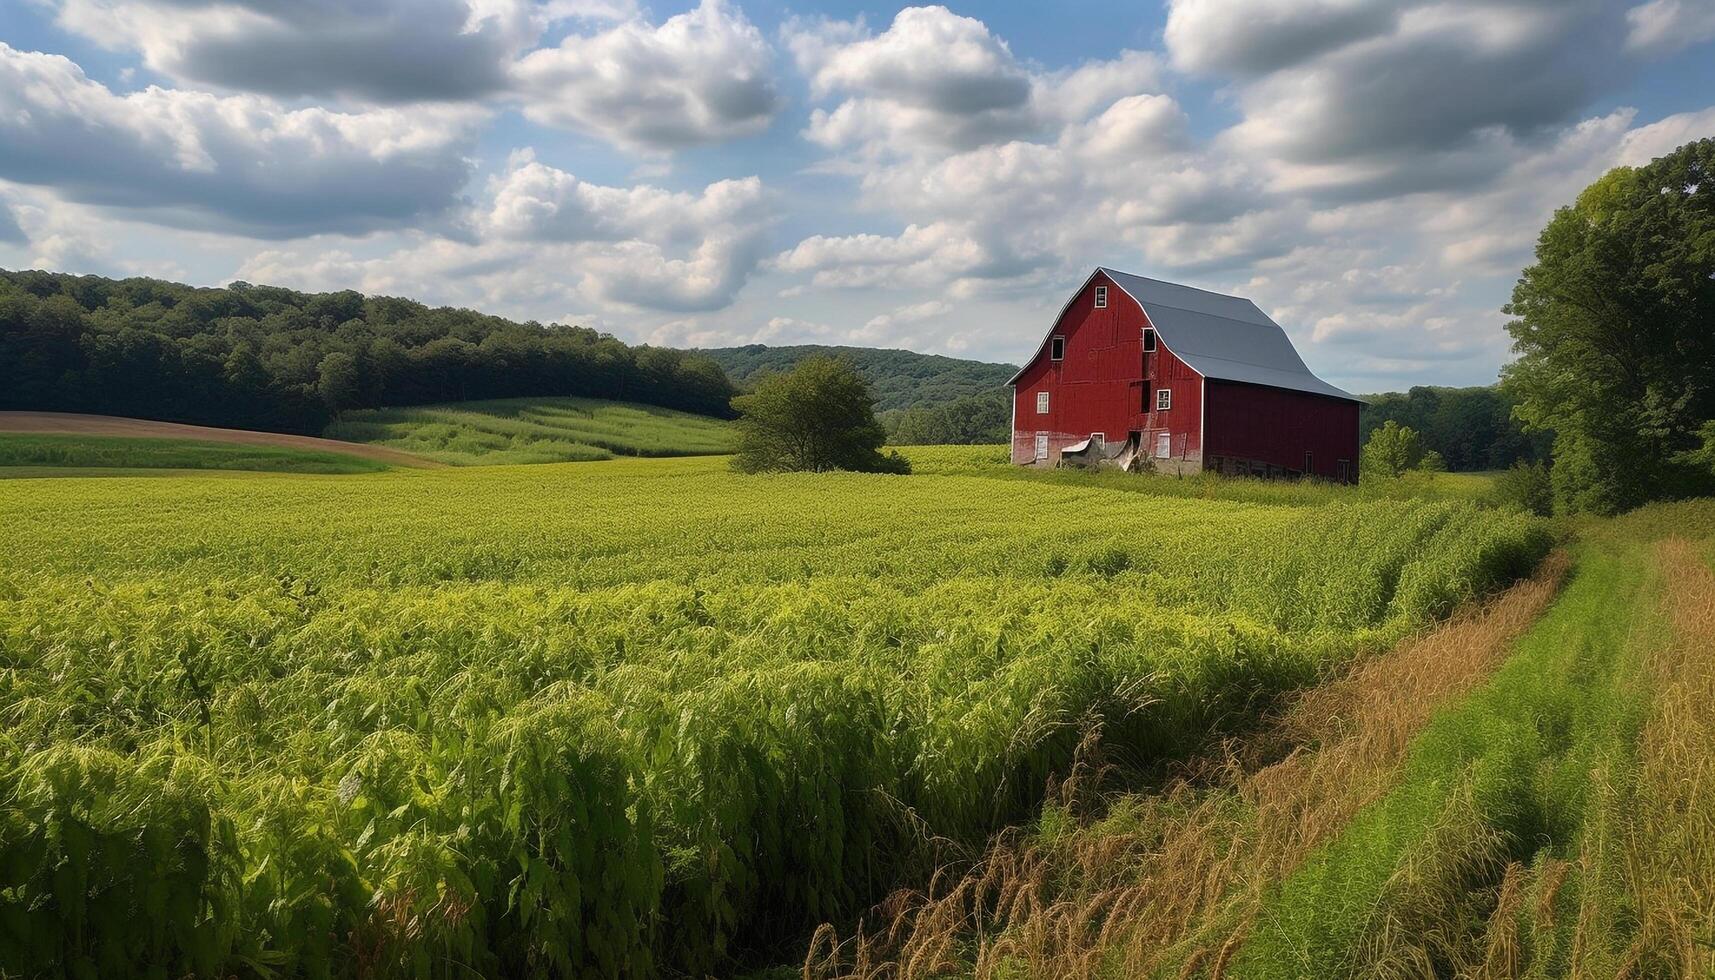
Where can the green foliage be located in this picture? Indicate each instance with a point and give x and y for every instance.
(817, 417)
(1612, 329)
(642, 719)
(107, 452)
(973, 419)
(1392, 450)
(535, 430)
(1472, 428)
(261, 357)
(1527, 486)
(899, 379)
(1432, 462)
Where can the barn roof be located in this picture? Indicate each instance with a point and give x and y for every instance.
(1223, 337)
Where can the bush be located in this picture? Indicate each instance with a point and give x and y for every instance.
(1526, 486)
(817, 417)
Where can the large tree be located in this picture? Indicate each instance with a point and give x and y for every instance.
(818, 416)
(1615, 332)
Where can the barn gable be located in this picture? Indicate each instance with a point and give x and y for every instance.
(1223, 337)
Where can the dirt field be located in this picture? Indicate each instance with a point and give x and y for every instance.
(65, 423)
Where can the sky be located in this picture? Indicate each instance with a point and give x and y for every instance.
(1373, 173)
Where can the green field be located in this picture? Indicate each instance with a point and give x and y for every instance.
(647, 718)
(535, 430)
(24, 454)
(1511, 796)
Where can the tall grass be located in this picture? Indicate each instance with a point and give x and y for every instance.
(1518, 778)
(1166, 882)
(656, 718)
(993, 462)
(535, 430)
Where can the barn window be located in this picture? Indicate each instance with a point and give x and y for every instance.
(1163, 445)
(1307, 467)
(1041, 445)
(1101, 297)
(1042, 403)
(1057, 349)
(1148, 340)
(1345, 470)
(1163, 399)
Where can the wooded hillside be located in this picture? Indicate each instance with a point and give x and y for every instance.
(263, 357)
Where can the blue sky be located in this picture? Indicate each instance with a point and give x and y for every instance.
(1372, 172)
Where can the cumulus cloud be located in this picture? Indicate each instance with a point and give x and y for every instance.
(1371, 98)
(935, 81)
(1251, 37)
(376, 50)
(234, 163)
(699, 77)
(544, 239)
(535, 202)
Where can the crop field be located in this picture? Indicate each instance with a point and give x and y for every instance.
(35, 454)
(1526, 791)
(535, 430)
(642, 718)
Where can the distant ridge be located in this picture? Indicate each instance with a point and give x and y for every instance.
(900, 379)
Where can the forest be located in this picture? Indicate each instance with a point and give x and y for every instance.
(1472, 428)
(263, 357)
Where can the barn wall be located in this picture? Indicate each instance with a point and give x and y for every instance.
(1249, 425)
(1100, 385)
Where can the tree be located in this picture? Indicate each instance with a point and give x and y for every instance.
(337, 380)
(1613, 331)
(1392, 450)
(819, 416)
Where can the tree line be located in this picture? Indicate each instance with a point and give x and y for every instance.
(1469, 428)
(263, 357)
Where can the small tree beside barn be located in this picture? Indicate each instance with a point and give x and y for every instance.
(1140, 371)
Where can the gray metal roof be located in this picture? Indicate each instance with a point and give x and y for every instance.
(1220, 336)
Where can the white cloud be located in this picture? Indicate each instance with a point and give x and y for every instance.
(700, 77)
(234, 163)
(544, 239)
(1665, 26)
(935, 81)
(895, 325)
(533, 201)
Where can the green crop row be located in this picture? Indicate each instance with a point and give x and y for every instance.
(643, 718)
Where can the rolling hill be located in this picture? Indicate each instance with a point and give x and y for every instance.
(900, 379)
(535, 430)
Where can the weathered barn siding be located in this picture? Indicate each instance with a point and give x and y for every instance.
(1100, 384)
(1243, 401)
(1252, 426)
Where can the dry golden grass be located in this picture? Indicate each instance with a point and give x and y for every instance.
(1670, 840)
(1175, 878)
(1645, 871)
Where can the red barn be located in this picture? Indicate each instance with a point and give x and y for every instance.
(1188, 379)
